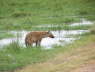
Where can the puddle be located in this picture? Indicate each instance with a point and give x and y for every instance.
(61, 38)
(82, 22)
(47, 26)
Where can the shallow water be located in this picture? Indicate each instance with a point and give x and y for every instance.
(82, 22)
(61, 38)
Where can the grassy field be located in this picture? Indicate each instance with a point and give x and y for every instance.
(68, 60)
(13, 56)
(5, 35)
(25, 15)
(18, 15)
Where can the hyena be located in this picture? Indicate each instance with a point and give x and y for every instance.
(36, 37)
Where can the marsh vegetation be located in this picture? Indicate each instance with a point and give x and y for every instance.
(71, 21)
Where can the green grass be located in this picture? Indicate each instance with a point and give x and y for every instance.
(57, 27)
(5, 35)
(18, 15)
(92, 29)
(22, 14)
(14, 56)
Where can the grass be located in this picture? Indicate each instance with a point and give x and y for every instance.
(58, 27)
(14, 56)
(24, 15)
(92, 29)
(5, 35)
(18, 15)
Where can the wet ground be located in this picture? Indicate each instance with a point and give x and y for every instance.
(62, 37)
(82, 23)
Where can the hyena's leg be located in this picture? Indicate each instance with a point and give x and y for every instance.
(36, 43)
(28, 44)
(39, 43)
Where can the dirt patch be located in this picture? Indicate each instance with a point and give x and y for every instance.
(67, 62)
(89, 67)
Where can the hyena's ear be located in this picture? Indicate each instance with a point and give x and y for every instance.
(48, 31)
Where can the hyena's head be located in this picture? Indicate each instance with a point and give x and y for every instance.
(49, 34)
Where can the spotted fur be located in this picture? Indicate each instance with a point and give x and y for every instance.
(36, 37)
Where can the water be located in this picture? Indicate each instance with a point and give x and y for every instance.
(61, 38)
(82, 22)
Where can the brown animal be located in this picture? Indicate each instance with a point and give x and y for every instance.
(36, 37)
